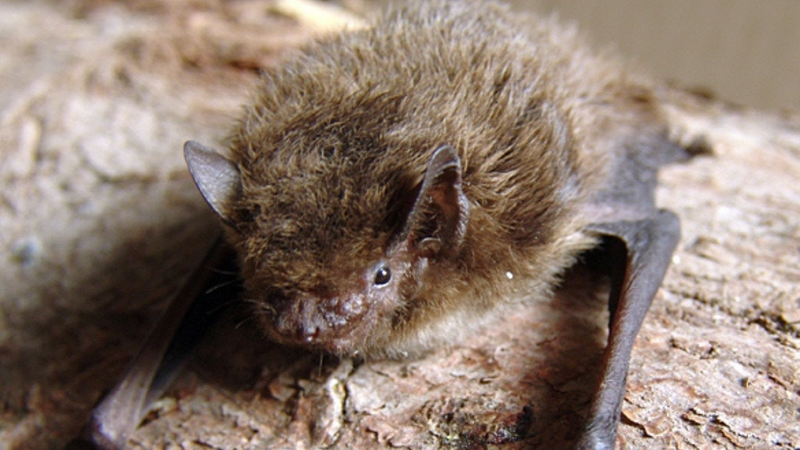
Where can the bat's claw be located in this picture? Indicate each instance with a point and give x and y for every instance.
(600, 434)
(592, 443)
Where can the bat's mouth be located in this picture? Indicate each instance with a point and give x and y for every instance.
(339, 325)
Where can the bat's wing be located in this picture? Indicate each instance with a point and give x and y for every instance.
(638, 240)
(213, 284)
(637, 253)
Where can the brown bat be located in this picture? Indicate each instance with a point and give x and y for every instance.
(384, 182)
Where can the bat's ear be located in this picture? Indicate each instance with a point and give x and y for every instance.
(438, 220)
(217, 178)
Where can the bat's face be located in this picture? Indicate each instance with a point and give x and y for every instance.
(336, 264)
(342, 305)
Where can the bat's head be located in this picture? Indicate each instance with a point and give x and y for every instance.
(355, 229)
(335, 258)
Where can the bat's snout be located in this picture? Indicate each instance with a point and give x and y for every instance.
(320, 322)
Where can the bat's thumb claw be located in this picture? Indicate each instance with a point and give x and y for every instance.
(600, 434)
(591, 442)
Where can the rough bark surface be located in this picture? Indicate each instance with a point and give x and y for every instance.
(100, 223)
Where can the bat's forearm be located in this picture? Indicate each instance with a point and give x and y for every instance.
(182, 325)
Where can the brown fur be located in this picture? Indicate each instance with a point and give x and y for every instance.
(335, 143)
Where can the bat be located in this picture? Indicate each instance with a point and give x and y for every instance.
(382, 183)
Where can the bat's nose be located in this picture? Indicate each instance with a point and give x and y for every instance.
(314, 320)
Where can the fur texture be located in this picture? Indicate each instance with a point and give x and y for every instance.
(334, 146)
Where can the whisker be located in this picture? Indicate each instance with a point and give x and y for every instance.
(244, 321)
(221, 285)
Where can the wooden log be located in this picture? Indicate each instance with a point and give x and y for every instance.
(100, 223)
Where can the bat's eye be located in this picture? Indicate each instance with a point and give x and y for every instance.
(382, 275)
